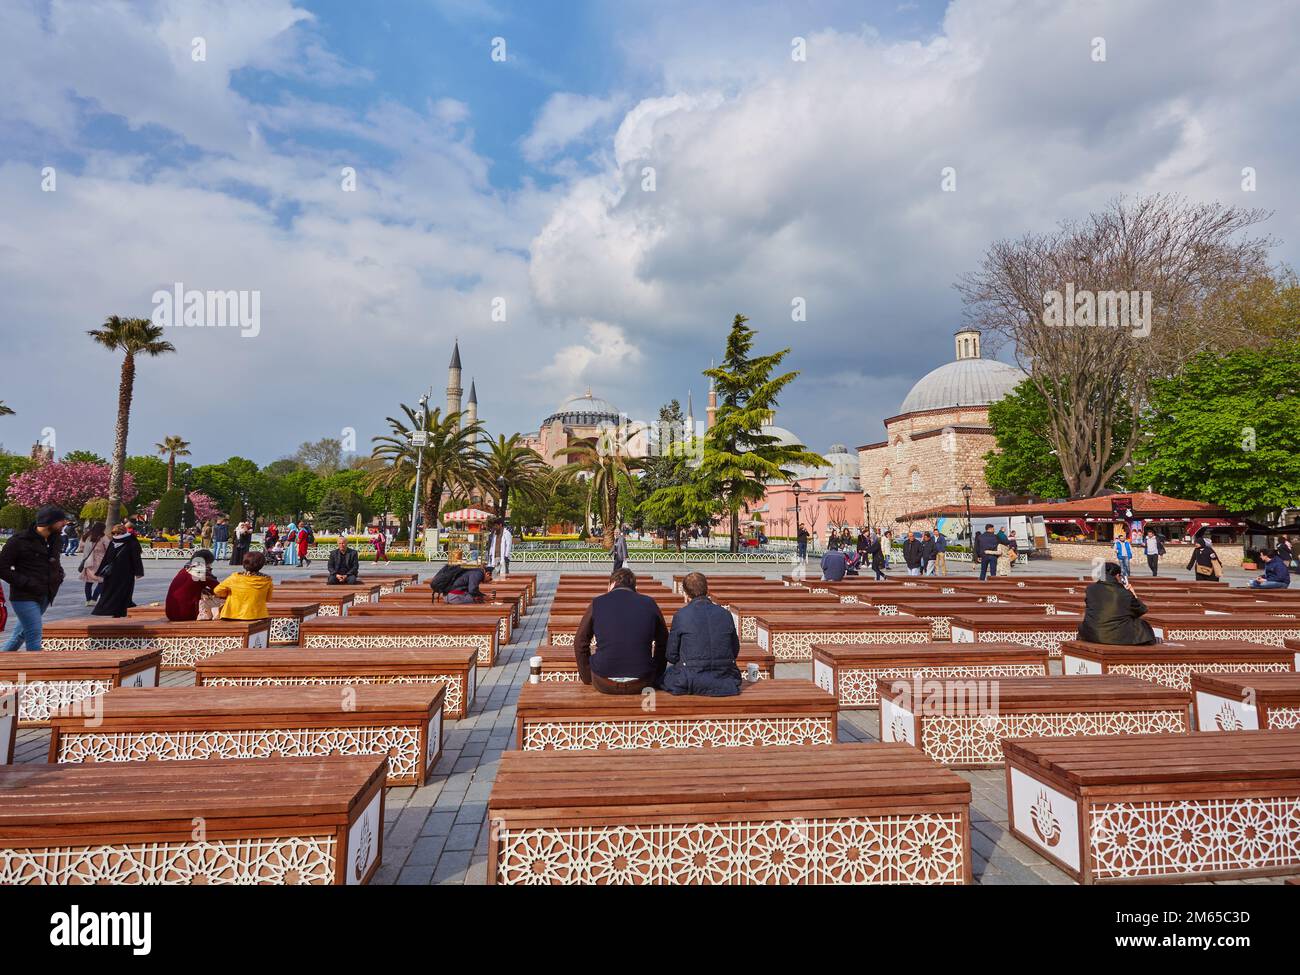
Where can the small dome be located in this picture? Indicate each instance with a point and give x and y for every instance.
(840, 484)
(837, 448)
(783, 436)
(966, 382)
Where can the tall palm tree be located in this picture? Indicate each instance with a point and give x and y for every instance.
(451, 459)
(171, 448)
(131, 337)
(601, 464)
(4, 410)
(511, 468)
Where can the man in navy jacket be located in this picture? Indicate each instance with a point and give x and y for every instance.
(630, 636)
(702, 645)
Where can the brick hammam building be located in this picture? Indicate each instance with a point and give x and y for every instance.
(937, 441)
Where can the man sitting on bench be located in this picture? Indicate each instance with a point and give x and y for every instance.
(631, 639)
(1276, 574)
(702, 645)
(344, 567)
(1113, 613)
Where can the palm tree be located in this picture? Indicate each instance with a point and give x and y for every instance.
(131, 337)
(450, 462)
(602, 465)
(4, 410)
(172, 447)
(510, 467)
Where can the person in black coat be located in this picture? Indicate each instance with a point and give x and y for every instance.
(344, 564)
(29, 562)
(122, 565)
(630, 635)
(877, 554)
(702, 646)
(1205, 561)
(1113, 614)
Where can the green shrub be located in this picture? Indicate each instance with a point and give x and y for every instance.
(16, 516)
(171, 506)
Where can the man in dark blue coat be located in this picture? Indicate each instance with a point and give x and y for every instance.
(629, 632)
(702, 646)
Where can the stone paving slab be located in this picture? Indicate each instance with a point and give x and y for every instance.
(438, 833)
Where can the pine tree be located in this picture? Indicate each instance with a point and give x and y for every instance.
(171, 505)
(739, 459)
(332, 515)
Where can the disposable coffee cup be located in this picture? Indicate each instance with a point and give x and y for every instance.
(534, 670)
(751, 673)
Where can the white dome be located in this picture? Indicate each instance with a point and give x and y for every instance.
(966, 382)
(783, 436)
(584, 410)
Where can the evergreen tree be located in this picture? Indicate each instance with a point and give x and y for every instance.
(332, 515)
(171, 506)
(739, 459)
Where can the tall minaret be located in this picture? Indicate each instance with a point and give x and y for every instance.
(689, 432)
(471, 406)
(453, 381)
(712, 411)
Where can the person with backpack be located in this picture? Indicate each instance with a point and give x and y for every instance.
(1155, 547)
(459, 585)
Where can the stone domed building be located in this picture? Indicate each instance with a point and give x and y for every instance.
(576, 418)
(937, 441)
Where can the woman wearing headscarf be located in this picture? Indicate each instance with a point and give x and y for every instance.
(95, 544)
(291, 544)
(1205, 561)
(188, 587)
(240, 542)
(121, 566)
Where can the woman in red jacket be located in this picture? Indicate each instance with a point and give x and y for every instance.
(304, 537)
(185, 594)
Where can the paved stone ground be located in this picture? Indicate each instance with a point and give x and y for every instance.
(438, 834)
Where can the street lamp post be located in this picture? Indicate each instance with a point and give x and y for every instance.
(418, 440)
(970, 526)
(185, 494)
(796, 490)
(867, 500)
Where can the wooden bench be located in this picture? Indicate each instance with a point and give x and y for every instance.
(790, 636)
(360, 593)
(182, 644)
(8, 725)
(816, 814)
(46, 682)
(388, 582)
(406, 632)
(455, 668)
(499, 614)
(850, 671)
(746, 609)
(1043, 632)
(725, 578)
(287, 617)
(1272, 631)
(193, 822)
(559, 664)
(513, 600)
(1227, 702)
(195, 723)
(1172, 664)
(573, 716)
(1159, 807)
(940, 611)
(962, 722)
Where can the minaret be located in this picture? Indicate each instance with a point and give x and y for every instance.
(471, 406)
(689, 433)
(453, 381)
(712, 411)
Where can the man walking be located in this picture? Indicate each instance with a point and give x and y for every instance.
(929, 553)
(912, 553)
(619, 551)
(801, 537)
(499, 550)
(29, 562)
(1155, 547)
(941, 552)
(1123, 551)
(220, 539)
(986, 551)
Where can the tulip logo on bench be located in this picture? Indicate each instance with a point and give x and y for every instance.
(1099, 309)
(102, 929)
(179, 308)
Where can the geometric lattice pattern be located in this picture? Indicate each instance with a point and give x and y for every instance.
(285, 629)
(1047, 640)
(400, 743)
(390, 641)
(1179, 675)
(903, 849)
(451, 702)
(38, 699)
(328, 609)
(857, 685)
(953, 739)
(1283, 719)
(677, 733)
(1268, 638)
(1193, 836)
(571, 676)
(178, 653)
(796, 645)
(563, 639)
(270, 860)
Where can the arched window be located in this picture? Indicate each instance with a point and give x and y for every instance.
(887, 482)
(898, 448)
(916, 480)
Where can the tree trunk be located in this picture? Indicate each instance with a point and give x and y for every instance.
(171, 469)
(735, 531)
(125, 390)
(611, 513)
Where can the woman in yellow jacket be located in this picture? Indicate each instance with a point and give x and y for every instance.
(246, 592)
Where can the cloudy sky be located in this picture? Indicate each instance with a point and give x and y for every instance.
(518, 182)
